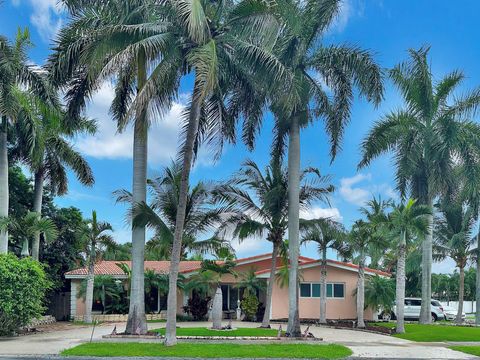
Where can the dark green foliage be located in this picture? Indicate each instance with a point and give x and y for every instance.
(23, 284)
(379, 293)
(197, 306)
(249, 306)
(109, 292)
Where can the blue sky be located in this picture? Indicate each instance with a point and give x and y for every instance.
(386, 27)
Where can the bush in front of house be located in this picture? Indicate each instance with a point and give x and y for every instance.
(197, 307)
(23, 285)
(249, 306)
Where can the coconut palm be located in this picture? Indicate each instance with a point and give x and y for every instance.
(326, 234)
(429, 136)
(160, 215)
(42, 143)
(94, 237)
(265, 214)
(453, 239)
(304, 98)
(15, 73)
(406, 222)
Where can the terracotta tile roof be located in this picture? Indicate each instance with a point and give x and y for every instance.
(334, 262)
(111, 267)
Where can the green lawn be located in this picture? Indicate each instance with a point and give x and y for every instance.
(432, 333)
(197, 350)
(472, 350)
(201, 331)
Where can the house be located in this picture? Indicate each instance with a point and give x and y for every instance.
(341, 283)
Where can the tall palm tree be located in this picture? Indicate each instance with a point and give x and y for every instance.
(405, 223)
(304, 99)
(326, 234)
(160, 215)
(428, 137)
(15, 73)
(259, 207)
(42, 142)
(95, 237)
(453, 239)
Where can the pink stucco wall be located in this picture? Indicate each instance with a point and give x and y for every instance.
(309, 308)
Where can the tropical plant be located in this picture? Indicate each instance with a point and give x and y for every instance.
(94, 237)
(258, 203)
(304, 99)
(429, 137)
(250, 283)
(41, 134)
(201, 216)
(15, 72)
(105, 290)
(379, 293)
(326, 234)
(453, 239)
(405, 224)
(249, 305)
(31, 225)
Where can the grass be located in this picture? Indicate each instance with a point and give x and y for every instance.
(433, 333)
(472, 350)
(156, 321)
(201, 331)
(202, 350)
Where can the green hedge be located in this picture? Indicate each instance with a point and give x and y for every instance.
(23, 284)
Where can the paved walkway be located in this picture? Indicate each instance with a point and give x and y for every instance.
(363, 344)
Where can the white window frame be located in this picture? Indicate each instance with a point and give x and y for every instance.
(328, 297)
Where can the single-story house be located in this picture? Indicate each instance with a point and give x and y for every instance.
(341, 283)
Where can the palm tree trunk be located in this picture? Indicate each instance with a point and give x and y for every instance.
(271, 280)
(361, 293)
(461, 290)
(293, 226)
(89, 293)
(3, 184)
(193, 120)
(37, 207)
(425, 310)
(400, 287)
(137, 322)
(323, 288)
(217, 309)
(477, 281)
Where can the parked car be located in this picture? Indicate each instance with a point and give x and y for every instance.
(451, 313)
(412, 309)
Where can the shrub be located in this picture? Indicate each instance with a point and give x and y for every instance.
(23, 284)
(249, 306)
(197, 307)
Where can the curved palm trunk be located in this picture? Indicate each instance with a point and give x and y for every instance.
(323, 288)
(3, 184)
(461, 291)
(271, 280)
(293, 226)
(137, 322)
(37, 207)
(425, 310)
(361, 293)
(193, 120)
(90, 283)
(400, 287)
(217, 309)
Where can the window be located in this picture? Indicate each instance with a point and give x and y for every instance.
(313, 290)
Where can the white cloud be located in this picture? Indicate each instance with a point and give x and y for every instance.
(344, 15)
(248, 246)
(46, 17)
(108, 144)
(318, 212)
(351, 192)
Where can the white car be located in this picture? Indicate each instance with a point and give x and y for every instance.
(412, 309)
(451, 313)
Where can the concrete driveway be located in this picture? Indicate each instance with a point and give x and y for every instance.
(363, 344)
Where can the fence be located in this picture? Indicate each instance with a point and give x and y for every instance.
(468, 306)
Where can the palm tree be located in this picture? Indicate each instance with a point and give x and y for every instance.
(266, 212)
(15, 73)
(406, 222)
(304, 99)
(128, 38)
(94, 237)
(379, 293)
(453, 238)
(33, 224)
(428, 137)
(326, 234)
(41, 132)
(160, 215)
(104, 286)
